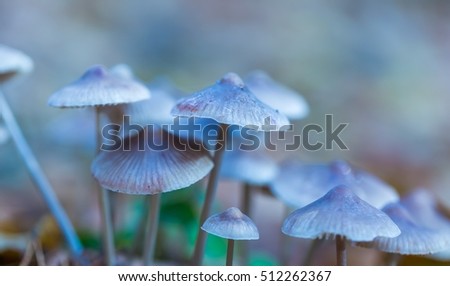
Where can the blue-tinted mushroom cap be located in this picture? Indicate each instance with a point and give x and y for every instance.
(13, 62)
(299, 184)
(422, 205)
(340, 212)
(231, 224)
(230, 102)
(139, 167)
(98, 87)
(415, 238)
(252, 167)
(277, 96)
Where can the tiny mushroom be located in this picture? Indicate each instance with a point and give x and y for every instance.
(229, 102)
(13, 62)
(98, 87)
(233, 225)
(150, 163)
(341, 214)
(415, 238)
(299, 184)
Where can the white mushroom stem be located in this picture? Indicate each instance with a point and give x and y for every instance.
(105, 205)
(210, 193)
(341, 252)
(39, 179)
(151, 229)
(230, 251)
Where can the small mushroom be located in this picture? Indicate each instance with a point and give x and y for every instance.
(139, 169)
(232, 225)
(299, 184)
(343, 215)
(275, 95)
(12, 63)
(98, 87)
(253, 169)
(229, 102)
(415, 238)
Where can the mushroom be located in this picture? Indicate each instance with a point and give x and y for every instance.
(14, 62)
(299, 184)
(229, 102)
(423, 207)
(253, 169)
(95, 88)
(276, 95)
(415, 238)
(140, 169)
(341, 214)
(232, 225)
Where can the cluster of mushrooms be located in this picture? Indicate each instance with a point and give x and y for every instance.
(331, 200)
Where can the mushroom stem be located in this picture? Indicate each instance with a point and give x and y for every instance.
(210, 194)
(40, 180)
(246, 209)
(105, 204)
(341, 253)
(151, 229)
(230, 250)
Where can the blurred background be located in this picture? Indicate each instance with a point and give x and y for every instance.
(380, 66)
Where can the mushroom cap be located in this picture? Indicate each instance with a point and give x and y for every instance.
(299, 184)
(415, 239)
(229, 101)
(13, 62)
(276, 95)
(138, 167)
(340, 212)
(422, 206)
(254, 167)
(231, 224)
(99, 87)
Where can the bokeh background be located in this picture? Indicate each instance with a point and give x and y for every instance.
(380, 66)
